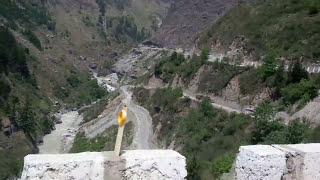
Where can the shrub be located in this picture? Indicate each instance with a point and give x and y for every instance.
(73, 81)
(297, 73)
(216, 76)
(193, 168)
(167, 98)
(205, 54)
(313, 135)
(314, 6)
(305, 89)
(297, 131)
(222, 165)
(251, 81)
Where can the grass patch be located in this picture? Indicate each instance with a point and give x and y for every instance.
(95, 110)
(104, 142)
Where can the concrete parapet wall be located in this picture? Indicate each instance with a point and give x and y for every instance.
(275, 162)
(136, 164)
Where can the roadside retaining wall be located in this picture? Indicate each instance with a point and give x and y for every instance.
(275, 162)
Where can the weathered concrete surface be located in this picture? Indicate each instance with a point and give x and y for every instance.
(260, 162)
(137, 164)
(303, 161)
(297, 161)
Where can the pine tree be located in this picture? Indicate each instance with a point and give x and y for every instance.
(205, 54)
(280, 80)
(269, 66)
(26, 122)
(192, 168)
(297, 73)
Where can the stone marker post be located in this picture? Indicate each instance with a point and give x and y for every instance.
(122, 121)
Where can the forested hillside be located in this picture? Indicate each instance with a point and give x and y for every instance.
(186, 62)
(210, 137)
(289, 28)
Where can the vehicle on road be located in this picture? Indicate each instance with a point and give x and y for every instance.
(199, 97)
(249, 110)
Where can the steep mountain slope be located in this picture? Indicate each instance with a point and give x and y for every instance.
(55, 45)
(187, 18)
(288, 29)
(48, 50)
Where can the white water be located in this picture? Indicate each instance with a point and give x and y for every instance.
(53, 143)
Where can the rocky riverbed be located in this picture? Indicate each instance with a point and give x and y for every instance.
(61, 139)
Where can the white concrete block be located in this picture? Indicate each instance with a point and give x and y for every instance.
(137, 164)
(260, 162)
(285, 162)
(169, 163)
(303, 161)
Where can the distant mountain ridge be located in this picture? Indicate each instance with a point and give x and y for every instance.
(187, 18)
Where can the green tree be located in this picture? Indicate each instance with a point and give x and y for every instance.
(305, 90)
(27, 119)
(314, 6)
(297, 73)
(100, 19)
(207, 108)
(264, 122)
(205, 54)
(192, 168)
(297, 131)
(279, 80)
(47, 125)
(264, 112)
(269, 66)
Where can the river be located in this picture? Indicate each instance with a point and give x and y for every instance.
(60, 140)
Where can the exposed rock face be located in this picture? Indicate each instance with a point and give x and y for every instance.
(262, 96)
(297, 161)
(155, 82)
(138, 164)
(187, 18)
(194, 83)
(109, 82)
(238, 49)
(311, 112)
(138, 61)
(7, 127)
(232, 91)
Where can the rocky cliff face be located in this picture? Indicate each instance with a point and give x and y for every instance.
(187, 18)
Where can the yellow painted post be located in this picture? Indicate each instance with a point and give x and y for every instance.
(122, 121)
